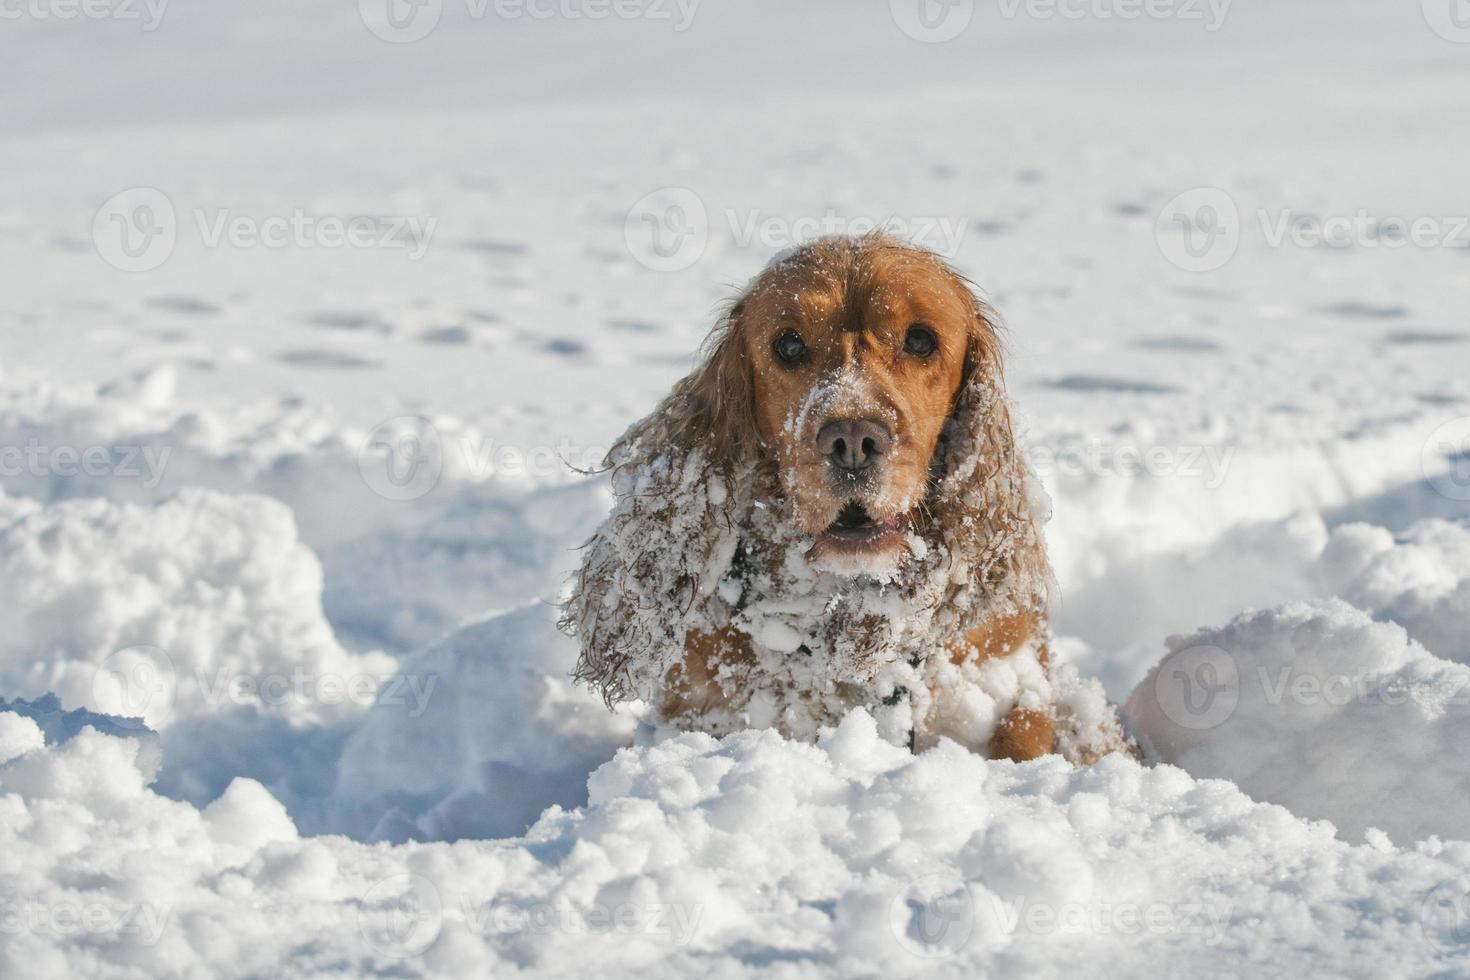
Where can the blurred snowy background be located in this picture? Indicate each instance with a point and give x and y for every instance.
(310, 308)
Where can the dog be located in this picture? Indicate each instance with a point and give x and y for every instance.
(830, 512)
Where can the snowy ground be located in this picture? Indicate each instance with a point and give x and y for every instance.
(302, 506)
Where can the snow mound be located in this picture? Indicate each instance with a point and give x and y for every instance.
(404, 564)
(57, 725)
(1418, 577)
(476, 736)
(1420, 580)
(1315, 706)
(696, 856)
(201, 604)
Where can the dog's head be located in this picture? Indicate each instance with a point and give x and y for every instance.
(843, 362)
(849, 412)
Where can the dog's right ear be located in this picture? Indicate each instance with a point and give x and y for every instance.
(712, 410)
(678, 480)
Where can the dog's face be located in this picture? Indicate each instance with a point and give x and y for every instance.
(857, 351)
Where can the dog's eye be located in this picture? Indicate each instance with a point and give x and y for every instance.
(920, 341)
(789, 348)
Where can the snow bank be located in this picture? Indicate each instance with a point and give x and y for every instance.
(202, 604)
(489, 732)
(1317, 707)
(404, 565)
(732, 857)
(1418, 578)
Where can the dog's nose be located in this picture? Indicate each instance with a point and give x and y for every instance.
(854, 444)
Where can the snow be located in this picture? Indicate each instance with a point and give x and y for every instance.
(1317, 707)
(312, 713)
(727, 856)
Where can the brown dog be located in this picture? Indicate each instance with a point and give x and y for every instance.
(831, 512)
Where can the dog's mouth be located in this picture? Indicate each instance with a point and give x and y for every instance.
(859, 543)
(855, 524)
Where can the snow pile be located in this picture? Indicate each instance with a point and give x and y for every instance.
(409, 552)
(1421, 580)
(476, 736)
(201, 604)
(1418, 578)
(1317, 707)
(697, 856)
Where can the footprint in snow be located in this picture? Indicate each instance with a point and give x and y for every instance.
(1366, 311)
(345, 320)
(445, 336)
(1415, 338)
(1192, 345)
(1096, 383)
(183, 305)
(335, 360)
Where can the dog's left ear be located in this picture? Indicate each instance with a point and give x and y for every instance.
(679, 483)
(712, 410)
